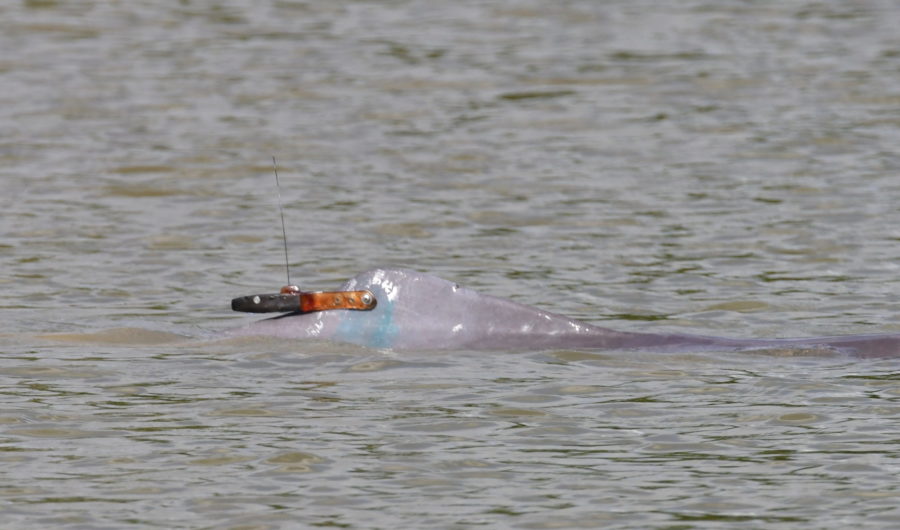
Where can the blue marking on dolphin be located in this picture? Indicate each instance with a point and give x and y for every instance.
(418, 311)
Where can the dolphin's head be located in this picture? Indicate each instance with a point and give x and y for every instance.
(420, 311)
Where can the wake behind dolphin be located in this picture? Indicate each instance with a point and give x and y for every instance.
(415, 311)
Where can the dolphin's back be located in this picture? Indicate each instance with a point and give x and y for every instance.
(416, 311)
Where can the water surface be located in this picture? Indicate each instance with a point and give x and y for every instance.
(724, 168)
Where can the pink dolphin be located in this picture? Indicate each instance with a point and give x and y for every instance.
(417, 311)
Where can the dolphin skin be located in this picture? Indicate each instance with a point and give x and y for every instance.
(417, 311)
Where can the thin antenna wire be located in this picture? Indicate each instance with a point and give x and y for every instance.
(287, 266)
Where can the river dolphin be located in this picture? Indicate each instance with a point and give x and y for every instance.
(417, 311)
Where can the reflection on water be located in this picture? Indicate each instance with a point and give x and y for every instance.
(707, 167)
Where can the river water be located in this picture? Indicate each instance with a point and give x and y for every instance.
(716, 167)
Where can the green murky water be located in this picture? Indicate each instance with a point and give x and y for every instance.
(727, 168)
